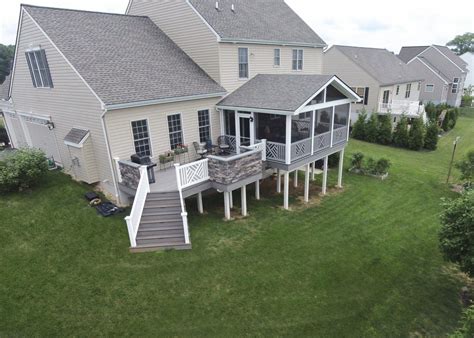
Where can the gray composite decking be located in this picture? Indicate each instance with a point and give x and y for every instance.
(165, 181)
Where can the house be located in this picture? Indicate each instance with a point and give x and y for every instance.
(384, 82)
(468, 57)
(92, 89)
(444, 73)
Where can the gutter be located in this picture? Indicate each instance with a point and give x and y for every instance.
(269, 42)
(109, 153)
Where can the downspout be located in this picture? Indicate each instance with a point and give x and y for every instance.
(109, 153)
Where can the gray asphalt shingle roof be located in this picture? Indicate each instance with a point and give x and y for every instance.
(123, 58)
(5, 88)
(452, 56)
(408, 53)
(381, 64)
(276, 92)
(268, 20)
(76, 135)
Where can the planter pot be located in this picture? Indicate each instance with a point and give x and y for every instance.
(179, 151)
(166, 159)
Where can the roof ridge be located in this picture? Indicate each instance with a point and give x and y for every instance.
(377, 48)
(82, 11)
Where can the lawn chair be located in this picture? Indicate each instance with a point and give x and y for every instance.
(199, 150)
(223, 144)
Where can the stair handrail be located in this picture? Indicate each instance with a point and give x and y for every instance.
(133, 220)
(184, 214)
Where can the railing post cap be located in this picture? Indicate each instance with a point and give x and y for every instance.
(176, 165)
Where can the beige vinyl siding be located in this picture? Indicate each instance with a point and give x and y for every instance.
(120, 130)
(180, 22)
(336, 63)
(69, 104)
(85, 169)
(261, 62)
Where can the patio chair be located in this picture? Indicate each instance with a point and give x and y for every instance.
(199, 150)
(223, 144)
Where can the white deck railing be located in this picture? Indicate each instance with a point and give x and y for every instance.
(300, 149)
(232, 142)
(260, 145)
(276, 151)
(192, 173)
(322, 141)
(340, 135)
(133, 220)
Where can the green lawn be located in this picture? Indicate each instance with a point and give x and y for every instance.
(364, 262)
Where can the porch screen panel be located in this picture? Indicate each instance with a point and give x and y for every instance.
(229, 122)
(270, 127)
(341, 116)
(175, 130)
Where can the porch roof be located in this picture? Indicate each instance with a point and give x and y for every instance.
(280, 92)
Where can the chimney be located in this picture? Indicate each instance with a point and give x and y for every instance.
(217, 5)
(233, 8)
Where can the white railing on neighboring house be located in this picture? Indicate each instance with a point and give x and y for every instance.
(192, 173)
(340, 135)
(276, 151)
(300, 149)
(401, 106)
(133, 220)
(260, 145)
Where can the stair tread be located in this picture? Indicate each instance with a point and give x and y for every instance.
(162, 228)
(161, 213)
(151, 247)
(148, 237)
(166, 220)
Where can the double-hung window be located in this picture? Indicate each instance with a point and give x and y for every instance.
(297, 63)
(175, 130)
(204, 125)
(429, 88)
(277, 57)
(243, 63)
(408, 91)
(141, 137)
(39, 69)
(455, 87)
(361, 92)
(398, 90)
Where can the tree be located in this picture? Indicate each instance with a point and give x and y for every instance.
(457, 231)
(6, 56)
(359, 128)
(462, 43)
(416, 135)
(372, 128)
(431, 137)
(466, 166)
(400, 136)
(384, 133)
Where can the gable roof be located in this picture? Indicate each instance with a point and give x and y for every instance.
(381, 64)
(279, 92)
(434, 69)
(446, 51)
(256, 21)
(5, 88)
(76, 136)
(123, 58)
(410, 52)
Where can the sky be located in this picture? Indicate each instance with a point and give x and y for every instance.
(358, 23)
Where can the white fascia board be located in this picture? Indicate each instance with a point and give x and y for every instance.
(323, 105)
(162, 101)
(80, 144)
(277, 43)
(15, 57)
(255, 110)
(128, 6)
(218, 38)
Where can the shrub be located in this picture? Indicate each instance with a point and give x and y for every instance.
(372, 128)
(431, 137)
(382, 166)
(467, 325)
(359, 128)
(400, 136)
(466, 166)
(22, 169)
(370, 165)
(457, 231)
(384, 132)
(357, 160)
(466, 100)
(416, 135)
(431, 111)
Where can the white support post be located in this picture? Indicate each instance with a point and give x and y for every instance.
(222, 121)
(349, 122)
(257, 190)
(295, 179)
(227, 206)
(278, 181)
(286, 196)
(288, 140)
(306, 184)
(313, 171)
(341, 167)
(231, 199)
(313, 122)
(332, 124)
(199, 202)
(117, 168)
(243, 194)
(325, 175)
(237, 132)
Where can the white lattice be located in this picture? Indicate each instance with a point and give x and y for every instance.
(276, 151)
(340, 135)
(193, 173)
(300, 149)
(322, 141)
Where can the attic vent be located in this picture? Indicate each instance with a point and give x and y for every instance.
(233, 8)
(217, 5)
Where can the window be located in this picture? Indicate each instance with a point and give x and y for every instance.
(175, 130)
(454, 88)
(361, 92)
(419, 86)
(386, 96)
(39, 69)
(297, 59)
(398, 90)
(141, 137)
(408, 91)
(243, 63)
(204, 125)
(429, 88)
(276, 57)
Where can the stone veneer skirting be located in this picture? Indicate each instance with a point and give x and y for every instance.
(232, 171)
(130, 173)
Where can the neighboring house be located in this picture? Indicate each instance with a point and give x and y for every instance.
(383, 81)
(468, 57)
(92, 89)
(444, 73)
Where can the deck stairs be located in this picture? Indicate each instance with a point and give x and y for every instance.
(161, 224)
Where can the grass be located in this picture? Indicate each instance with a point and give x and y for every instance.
(364, 262)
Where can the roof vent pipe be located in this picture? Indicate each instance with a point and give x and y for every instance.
(233, 8)
(217, 5)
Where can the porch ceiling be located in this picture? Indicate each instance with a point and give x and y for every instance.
(283, 93)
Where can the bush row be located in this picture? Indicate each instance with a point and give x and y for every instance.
(370, 166)
(434, 112)
(378, 129)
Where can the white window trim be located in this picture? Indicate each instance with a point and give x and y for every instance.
(426, 87)
(32, 51)
(248, 63)
(455, 86)
(298, 50)
(279, 58)
(397, 90)
(210, 123)
(149, 133)
(182, 128)
(408, 91)
(362, 97)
